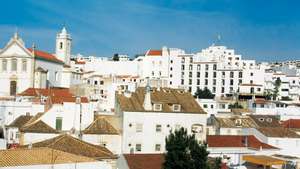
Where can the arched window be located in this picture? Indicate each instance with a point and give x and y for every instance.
(13, 88)
(60, 45)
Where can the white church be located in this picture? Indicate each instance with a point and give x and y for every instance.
(22, 67)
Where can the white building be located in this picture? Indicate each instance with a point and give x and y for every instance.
(148, 116)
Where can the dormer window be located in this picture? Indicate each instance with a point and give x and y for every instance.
(269, 120)
(176, 107)
(238, 122)
(157, 107)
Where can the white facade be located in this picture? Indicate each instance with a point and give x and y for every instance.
(111, 142)
(145, 132)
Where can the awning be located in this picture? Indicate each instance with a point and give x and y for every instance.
(263, 160)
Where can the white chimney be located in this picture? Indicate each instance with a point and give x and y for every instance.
(147, 101)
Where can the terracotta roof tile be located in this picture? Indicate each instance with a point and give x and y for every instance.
(58, 95)
(292, 123)
(236, 141)
(165, 96)
(20, 121)
(101, 126)
(38, 156)
(154, 53)
(144, 161)
(38, 127)
(76, 146)
(265, 120)
(45, 56)
(278, 132)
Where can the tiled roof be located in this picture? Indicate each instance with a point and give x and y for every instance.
(58, 95)
(278, 132)
(165, 96)
(144, 161)
(32, 124)
(73, 145)
(38, 156)
(20, 121)
(236, 141)
(265, 120)
(292, 123)
(234, 122)
(45, 56)
(57, 92)
(38, 127)
(154, 53)
(100, 126)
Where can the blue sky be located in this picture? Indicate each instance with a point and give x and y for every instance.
(256, 29)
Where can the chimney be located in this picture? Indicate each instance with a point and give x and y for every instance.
(158, 84)
(147, 101)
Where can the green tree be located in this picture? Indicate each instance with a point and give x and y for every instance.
(236, 105)
(268, 95)
(204, 94)
(276, 88)
(184, 151)
(115, 57)
(217, 163)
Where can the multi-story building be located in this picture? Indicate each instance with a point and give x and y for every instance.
(149, 114)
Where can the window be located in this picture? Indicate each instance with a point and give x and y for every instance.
(95, 82)
(157, 107)
(101, 82)
(139, 127)
(158, 128)
(171, 61)
(198, 67)
(240, 74)
(190, 67)
(4, 65)
(231, 74)
(206, 74)
(56, 76)
(231, 82)
(14, 65)
(205, 106)
(190, 74)
(214, 81)
(58, 124)
(223, 82)
(215, 74)
(182, 81)
(214, 90)
(251, 74)
(13, 88)
(198, 81)
(176, 107)
(60, 45)
(222, 90)
(223, 74)
(206, 82)
(138, 147)
(157, 147)
(182, 67)
(215, 67)
(171, 68)
(24, 65)
(206, 67)
(190, 81)
(198, 74)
